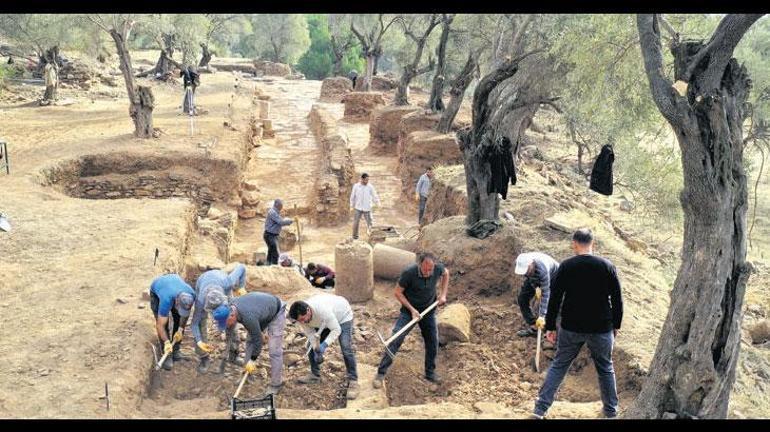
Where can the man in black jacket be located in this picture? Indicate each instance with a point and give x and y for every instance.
(591, 313)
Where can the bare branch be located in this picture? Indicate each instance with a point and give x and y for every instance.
(662, 93)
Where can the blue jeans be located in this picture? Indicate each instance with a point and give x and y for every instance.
(348, 353)
(568, 346)
(429, 330)
(423, 201)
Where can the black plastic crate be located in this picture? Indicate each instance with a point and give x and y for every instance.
(253, 409)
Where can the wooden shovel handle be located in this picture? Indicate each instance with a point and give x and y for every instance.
(411, 323)
(240, 386)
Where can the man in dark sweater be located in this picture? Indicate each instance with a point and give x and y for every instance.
(587, 291)
(416, 290)
(257, 312)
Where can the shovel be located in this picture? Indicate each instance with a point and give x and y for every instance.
(240, 386)
(538, 294)
(403, 330)
(163, 359)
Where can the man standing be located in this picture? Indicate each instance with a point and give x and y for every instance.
(191, 80)
(212, 289)
(171, 295)
(51, 76)
(273, 224)
(538, 270)
(320, 276)
(361, 198)
(324, 318)
(591, 315)
(257, 311)
(416, 290)
(422, 191)
(353, 75)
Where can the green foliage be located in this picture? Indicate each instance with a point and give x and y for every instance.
(317, 61)
(280, 37)
(37, 32)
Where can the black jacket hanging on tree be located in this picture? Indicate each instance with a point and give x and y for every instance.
(601, 174)
(500, 158)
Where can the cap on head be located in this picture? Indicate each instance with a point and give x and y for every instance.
(522, 263)
(221, 314)
(215, 297)
(185, 302)
(284, 258)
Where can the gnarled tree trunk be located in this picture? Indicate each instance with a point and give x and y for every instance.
(475, 141)
(141, 101)
(435, 103)
(411, 70)
(457, 93)
(693, 370)
(205, 57)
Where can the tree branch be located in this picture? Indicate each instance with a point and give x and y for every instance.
(721, 46)
(649, 39)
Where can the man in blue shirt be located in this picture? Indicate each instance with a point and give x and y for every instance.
(212, 289)
(273, 224)
(170, 294)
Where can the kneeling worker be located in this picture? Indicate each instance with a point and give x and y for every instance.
(324, 318)
(320, 276)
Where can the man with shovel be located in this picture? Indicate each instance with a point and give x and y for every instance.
(538, 270)
(257, 311)
(416, 291)
(213, 289)
(170, 294)
(324, 318)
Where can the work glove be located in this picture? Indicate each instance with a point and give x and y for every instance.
(251, 367)
(178, 336)
(205, 347)
(538, 293)
(320, 280)
(167, 347)
(241, 291)
(540, 323)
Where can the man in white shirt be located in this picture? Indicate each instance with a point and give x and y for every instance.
(361, 198)
(324, 318)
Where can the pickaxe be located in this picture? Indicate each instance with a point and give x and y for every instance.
(406, 328)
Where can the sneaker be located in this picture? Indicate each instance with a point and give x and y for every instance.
(309, 379)
(178, 356)
(352, 390)
(535, 416)
(434, 378)
(527, 332)
(203, 366)
(273, 390)
(238, 361)
(377, 383)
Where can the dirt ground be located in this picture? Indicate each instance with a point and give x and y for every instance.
(85, 264)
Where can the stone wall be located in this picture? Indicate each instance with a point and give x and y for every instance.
(270, 68)
(424, 149)
(384, 128)
(360, 105)
(447, 196)
(334, 88)
(336, 173)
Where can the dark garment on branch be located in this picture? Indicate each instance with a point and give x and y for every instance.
(500, 158)
(601, 174)
(189, 78)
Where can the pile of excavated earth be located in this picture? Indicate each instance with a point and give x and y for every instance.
(90, 206)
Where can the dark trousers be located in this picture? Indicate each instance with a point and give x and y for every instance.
(568, 346)
(526, 294)
(348, 353)
(429, 330)
(172, 326)
(271, 240)
(423, 201)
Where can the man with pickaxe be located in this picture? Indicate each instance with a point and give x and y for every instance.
(324, 318)
(213, 289)
(257, 312)
(171, 295)
(416, 291)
